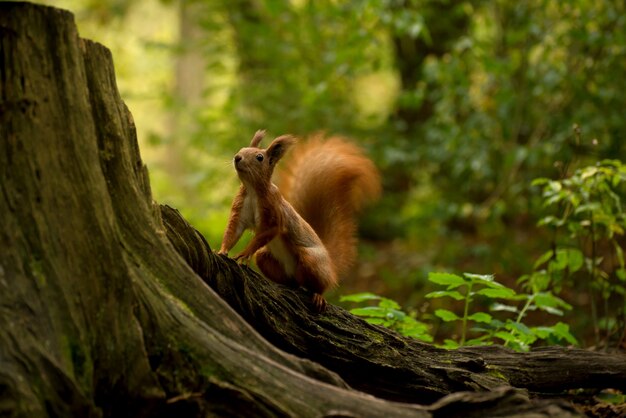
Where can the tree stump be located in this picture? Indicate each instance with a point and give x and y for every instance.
(111, 305)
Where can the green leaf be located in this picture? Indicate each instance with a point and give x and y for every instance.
(519, 327)
(545, 300)
(359, 297)
(370, 311)
(554, 186)
(505, 336)
(562, 330)
(447, 315)
(443, 293)
(588, 207)
(551, 221)
(478, 341)
(555, 198)
(575, 259)
(569, 258)
(545, 257)
(496, 324)
(551, 310)
(450, 344)
(493, 285)
(588, 172)
(427, 338)
(446, 279)
(538, 281)
(396, 314)
(542, 181)
(388, 304)
(543, 332)
(496, 307)
(415, 329)
(489, 278)
(502, 293)
(480, 317)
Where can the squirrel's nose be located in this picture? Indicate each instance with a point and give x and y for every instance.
(237, 158)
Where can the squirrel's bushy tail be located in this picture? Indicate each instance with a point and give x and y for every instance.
(328, 181)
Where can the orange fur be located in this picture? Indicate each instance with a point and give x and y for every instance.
(312, 242)
(328, 181)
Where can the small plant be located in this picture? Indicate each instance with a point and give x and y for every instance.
(513, 332)
(587, 218)
(465, 289)
(510, 331)
(517, 335)
(389, 314)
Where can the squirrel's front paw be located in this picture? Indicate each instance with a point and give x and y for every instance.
(243, 258)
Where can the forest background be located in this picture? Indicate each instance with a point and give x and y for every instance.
(461, 104)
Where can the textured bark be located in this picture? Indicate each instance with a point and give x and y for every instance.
(102, 313)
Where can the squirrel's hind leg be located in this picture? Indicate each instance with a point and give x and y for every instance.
(271, 267)
(314, 274)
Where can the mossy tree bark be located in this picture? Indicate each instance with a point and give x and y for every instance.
(111, 305)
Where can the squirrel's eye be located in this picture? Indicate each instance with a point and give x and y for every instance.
(259, 157)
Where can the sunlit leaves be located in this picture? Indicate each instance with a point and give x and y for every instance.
(488, 327)
(360, 297)
(447, 315)
(388, 313)
(449, 293)
(480, 317)
(446, 279)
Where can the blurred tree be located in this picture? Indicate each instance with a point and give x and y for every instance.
(421, 29)
(187, 96)
(505, 97)
(296, 64)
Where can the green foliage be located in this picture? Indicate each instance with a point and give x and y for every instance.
(612, 397)
(507, 87)
(511, 331)
(463, 288)
(388, 314)
(587, 219)
(488, 328)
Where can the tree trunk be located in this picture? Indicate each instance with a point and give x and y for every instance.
(103, 311)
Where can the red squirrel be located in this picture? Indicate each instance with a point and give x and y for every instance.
(304, 230)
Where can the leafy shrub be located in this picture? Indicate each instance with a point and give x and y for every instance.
(587, 219)
(511, 332)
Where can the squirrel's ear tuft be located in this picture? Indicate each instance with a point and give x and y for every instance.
(278, 147)
(257, 138)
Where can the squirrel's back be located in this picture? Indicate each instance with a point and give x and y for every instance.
(328, 181)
